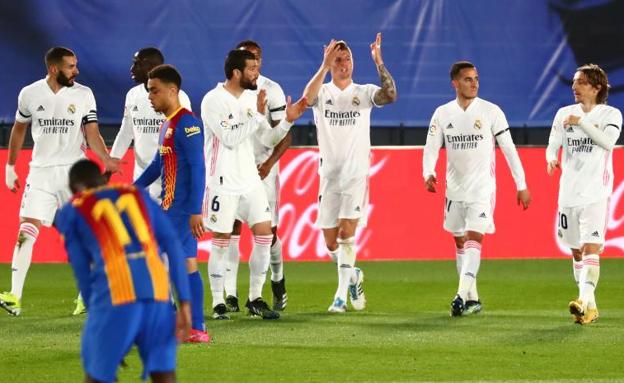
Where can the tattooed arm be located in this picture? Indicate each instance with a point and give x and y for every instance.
(388, 93)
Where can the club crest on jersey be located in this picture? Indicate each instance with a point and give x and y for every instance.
(432, 130)
(71, 108)
(213, 218)
(168, 133)
(477, 124)
(355, 101)
(250, 113)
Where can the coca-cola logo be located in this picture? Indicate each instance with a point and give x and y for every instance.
(615, 223)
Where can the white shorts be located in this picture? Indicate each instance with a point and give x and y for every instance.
(583, 224)
(342, 200)
(46, 190)
(220, 211)
(272, 187)
(154, 189)
(460, 217)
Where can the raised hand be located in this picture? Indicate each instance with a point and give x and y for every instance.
(375, 48)
(329, 54)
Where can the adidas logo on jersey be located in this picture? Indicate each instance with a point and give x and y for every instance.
(135, 109)
(357, 208)
(450, 126)
(570, 129)
(267, 210)
(596, 234)
(40, 108)
(329, 102)
(230, 116)
(482, 215)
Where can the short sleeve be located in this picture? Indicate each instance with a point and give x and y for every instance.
(23, 113)
(90, 114)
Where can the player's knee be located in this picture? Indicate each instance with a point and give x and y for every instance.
(236, 228)
(577, 254)
(459, 242)
(473, 236)
(590, 248)
(333, 246)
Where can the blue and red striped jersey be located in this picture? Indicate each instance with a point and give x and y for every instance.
(180, 163)
(115, 237)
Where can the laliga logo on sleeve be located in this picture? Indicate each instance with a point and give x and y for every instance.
(432, 130)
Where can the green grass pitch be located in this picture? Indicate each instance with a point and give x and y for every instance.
(405, 334)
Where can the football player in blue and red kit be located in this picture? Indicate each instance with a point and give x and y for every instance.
(179, 162)
(115, 237)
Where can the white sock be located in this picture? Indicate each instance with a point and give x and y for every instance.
(470, 268)
(231, 266)
(22, 256)
(259, 264)
(334, 254)
(588, 280)
(459, 259)
(277, 263)
(346, 261)
(577, 267)
(216, 269)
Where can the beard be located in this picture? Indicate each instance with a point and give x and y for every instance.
(64, 80)
(248, 84)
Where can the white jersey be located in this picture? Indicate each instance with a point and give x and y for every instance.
(141, 124)
(56, 121)
(587, 169)
(230, 125)
(469, 136)
(275, 111)
(342, 119)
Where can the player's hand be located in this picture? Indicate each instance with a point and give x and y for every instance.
(261, 101)
(183, 321)
(552, 165)
(524, 198)
(197, 225)
(113, 165)
(11, 178)
(330, 52)
(264, 169)
(571, 120)
(375, 48)
(294, 111)
(430, 184)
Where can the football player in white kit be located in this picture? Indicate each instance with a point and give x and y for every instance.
(587, 131)
(140, 122)
(63, 119)
(470, 127)
(342, 116)
(267, 161)
(233, 117)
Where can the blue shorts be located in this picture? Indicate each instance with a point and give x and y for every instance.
(110, 332)
(185, 236)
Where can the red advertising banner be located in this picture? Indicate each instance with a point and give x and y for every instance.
(405, 221)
